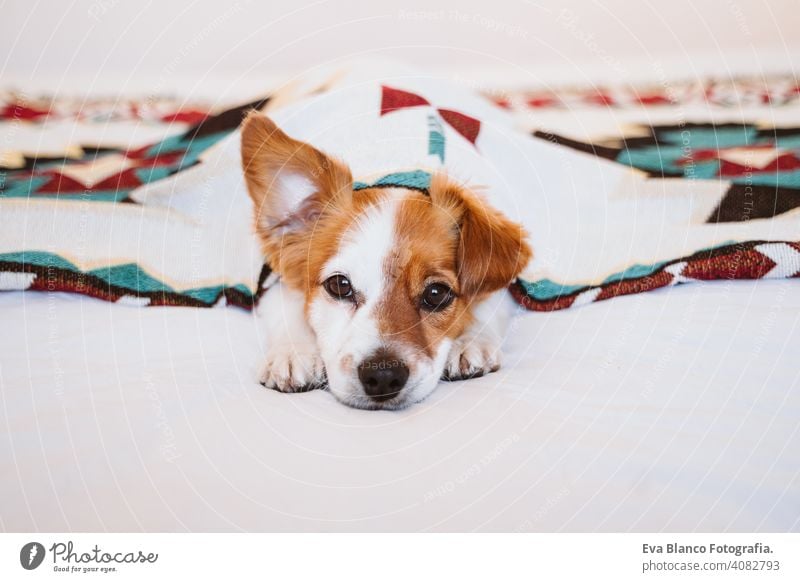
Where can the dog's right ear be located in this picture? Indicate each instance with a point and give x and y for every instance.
(291, 183)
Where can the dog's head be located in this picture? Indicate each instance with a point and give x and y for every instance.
(389, 274)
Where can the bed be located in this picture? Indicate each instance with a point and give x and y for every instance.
(671, 411)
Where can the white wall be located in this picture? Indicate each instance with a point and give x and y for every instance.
(159, 45)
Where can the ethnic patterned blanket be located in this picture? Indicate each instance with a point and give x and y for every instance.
(668, 184)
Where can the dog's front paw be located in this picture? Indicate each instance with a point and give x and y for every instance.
(472, 357)
(293, 369)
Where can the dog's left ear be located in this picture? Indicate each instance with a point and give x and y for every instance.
(492, 249)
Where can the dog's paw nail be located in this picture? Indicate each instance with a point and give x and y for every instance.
(471, 359)
(293, 371)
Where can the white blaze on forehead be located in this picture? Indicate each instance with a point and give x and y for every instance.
(364, 247)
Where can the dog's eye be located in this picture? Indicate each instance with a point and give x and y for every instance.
(436, 297)
(338, 287)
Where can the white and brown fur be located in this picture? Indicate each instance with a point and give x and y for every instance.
(390, 244)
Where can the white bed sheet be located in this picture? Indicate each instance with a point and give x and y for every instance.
(670, 411)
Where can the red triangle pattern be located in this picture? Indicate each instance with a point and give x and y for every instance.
(467, 126)
(783, 163)
(127, 179)
(19, 111)
(394, 99)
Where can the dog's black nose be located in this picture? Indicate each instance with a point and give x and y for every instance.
(383, 375)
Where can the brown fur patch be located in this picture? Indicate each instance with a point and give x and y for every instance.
(449, 237)
(492, 249)
(426, 252)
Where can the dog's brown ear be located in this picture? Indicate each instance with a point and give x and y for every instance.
(288, 179)
(291, 183)
(492, 249)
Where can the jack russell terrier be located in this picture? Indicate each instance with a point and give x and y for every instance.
(389, 283)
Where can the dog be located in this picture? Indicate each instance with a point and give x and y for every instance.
(384, 290)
